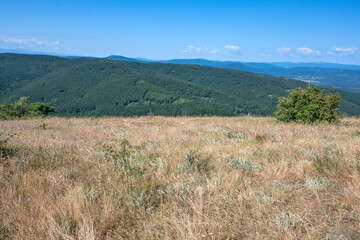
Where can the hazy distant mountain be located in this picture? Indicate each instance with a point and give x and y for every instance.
(122, 58)
(24, 51)
(344, 79)
(318, 65)
(210, 63)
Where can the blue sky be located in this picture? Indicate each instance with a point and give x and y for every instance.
(252, 30)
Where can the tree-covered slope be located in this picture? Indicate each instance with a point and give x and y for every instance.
(89, 86)
(348, 80)
(340, 76)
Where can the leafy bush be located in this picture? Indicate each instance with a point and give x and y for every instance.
(309, 105)
(20, 106)
(39, 109)
(22, 109)
(7, 111)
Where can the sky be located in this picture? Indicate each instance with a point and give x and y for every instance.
(251, 30)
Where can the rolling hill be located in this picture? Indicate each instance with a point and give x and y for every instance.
(340, 76)
(95, 87)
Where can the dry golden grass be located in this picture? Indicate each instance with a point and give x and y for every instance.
(181, 178)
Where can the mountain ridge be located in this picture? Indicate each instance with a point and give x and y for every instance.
(340, 76)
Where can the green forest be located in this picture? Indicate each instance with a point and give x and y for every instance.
(97, 87)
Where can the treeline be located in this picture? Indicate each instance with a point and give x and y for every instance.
(21, 108)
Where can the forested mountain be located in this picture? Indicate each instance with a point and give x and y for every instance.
(347, 80)
(95, 87)
(341, 76)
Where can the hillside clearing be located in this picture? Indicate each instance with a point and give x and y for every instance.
(179, 178)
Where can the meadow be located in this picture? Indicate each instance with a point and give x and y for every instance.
(179, 178)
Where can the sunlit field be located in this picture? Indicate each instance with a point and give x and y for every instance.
(179, 178)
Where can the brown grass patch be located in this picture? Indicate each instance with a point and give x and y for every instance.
(178, 178)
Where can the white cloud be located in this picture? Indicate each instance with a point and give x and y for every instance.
(283, 50)
(345, 51)
(212, 51)
(308, 51)
(21, 41)
(233, 49)
(264, 54)
(29, 42)
(193, 49)
(330, 53)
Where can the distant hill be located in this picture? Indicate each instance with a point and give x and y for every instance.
(122, 58)
(210, 63)
(317, 65)
(340, 76)
(95, 87)
(24, 51)
(348, 80)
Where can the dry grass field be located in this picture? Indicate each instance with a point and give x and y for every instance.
(179, 178)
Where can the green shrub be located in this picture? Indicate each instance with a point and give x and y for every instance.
(39, 109)
(22, 109)
(7, 111)
(21, 106)
(309, 105)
